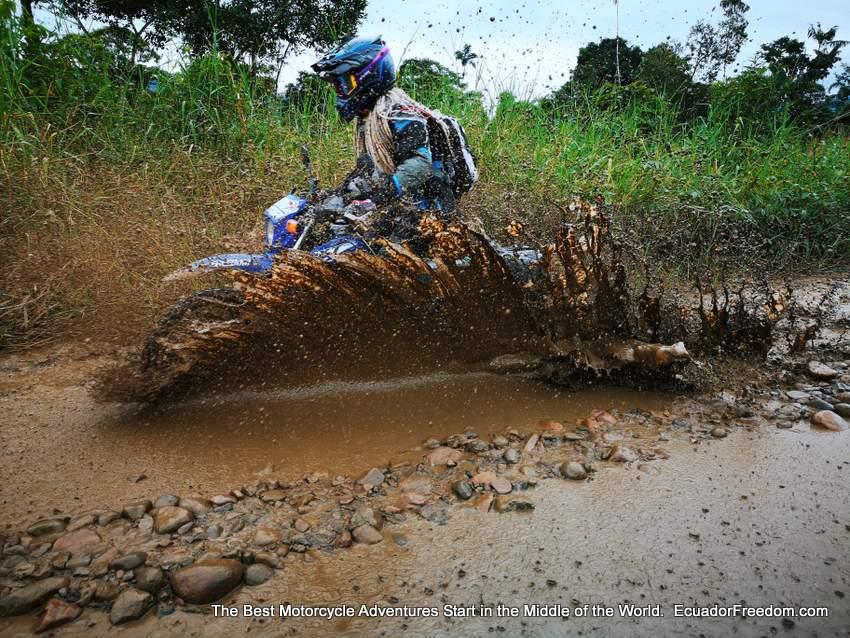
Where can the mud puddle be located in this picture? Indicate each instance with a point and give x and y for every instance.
(107, 455)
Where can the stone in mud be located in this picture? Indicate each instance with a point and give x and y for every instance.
(821, 371)
(819, 404)
(46, 526)
(57, 613)
(719, 433)
(829, 421)
(573, 470)
(106, 591)
(20, 601)
(842, 409)
(374, 478)
(484, 478)
(301, 525)
(367, 515)
(135, 510)
(513, 504)
(214, 531)
(207, 581)
(511, 456)
(265, 536)
(431, 444)
(195, 504)
(445, 456)
(367, 534)
(797, 395)
(477, 446)
(500, 441)
(501, 485)
(222, 499)
(343, 540)
(105, 518)
(532, 441)
(148, 578)
(462, 489)
(129, 561)
(551, 427)
(622, 454)
(170, 518)
(272, 496)
(79, 522)
(415, 499)
(267, 558)
(73, 542)
(130, 605)
(257, 574)
(166, 500)
(417, 483)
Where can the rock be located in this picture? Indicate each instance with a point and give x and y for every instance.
(573, 470)
(623, 454)
(46, 526)
(501, 485)
(532, 441)
(551, 427)
(819, 404)
(148, 578)
(821, 371)
(170, 518)
(257, 574)
(214, 531)
(195, 504)
(797, 395)
(418, 483)
(166, 500)
(272, 496)
(431, 444)
(105, 518)
(843, 397)
(186, 528)
(100, 566)
(829, 421)
(444, 456)
(842, 409)
(20, 601)
(130, 605)
(513, 504)
(129, 561)
(463, 490)
(367, 516)
(135, 510)
(78, 560)
(477, 446)
(222, 499)
(267, 558)
(301, 525)
(511, 363)
(500, 441)
(344, 539)
(79, 522)
(415, 499)
(374, 478)
(73, 542)
(435, 514)
(484, 478)
(511, 456)
(367, 534)
(106, 591)
(57, 613)
(718, 433)
(207, 581)
(266, 536)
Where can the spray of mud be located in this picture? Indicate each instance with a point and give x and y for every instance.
(393, 310)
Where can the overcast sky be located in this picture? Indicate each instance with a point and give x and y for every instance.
(530, 47)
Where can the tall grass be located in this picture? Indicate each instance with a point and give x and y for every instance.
(107, 186)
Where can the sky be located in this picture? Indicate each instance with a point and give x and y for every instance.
(529, 47)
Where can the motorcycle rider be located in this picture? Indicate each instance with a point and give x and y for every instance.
(403, 149)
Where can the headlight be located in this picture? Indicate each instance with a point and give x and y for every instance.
(269, 232)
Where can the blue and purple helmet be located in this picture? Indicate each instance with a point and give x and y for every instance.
(360, 70)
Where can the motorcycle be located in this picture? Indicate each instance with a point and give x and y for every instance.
(290, 220)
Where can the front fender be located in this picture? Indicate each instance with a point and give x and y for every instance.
(258, 262)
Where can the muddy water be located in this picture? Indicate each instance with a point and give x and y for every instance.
(63, 451)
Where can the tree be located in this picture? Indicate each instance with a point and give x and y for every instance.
(425, 77)
(597, 63)
(466, 57)
(665, 70)
(841, 86)
(712, 48)
(252, 31)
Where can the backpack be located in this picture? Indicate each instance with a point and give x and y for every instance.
(450, 144)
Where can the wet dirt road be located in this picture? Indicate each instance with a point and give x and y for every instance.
(62, 450)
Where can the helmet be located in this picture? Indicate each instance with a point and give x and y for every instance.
(361, 70)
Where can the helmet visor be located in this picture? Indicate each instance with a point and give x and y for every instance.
(345, 84)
